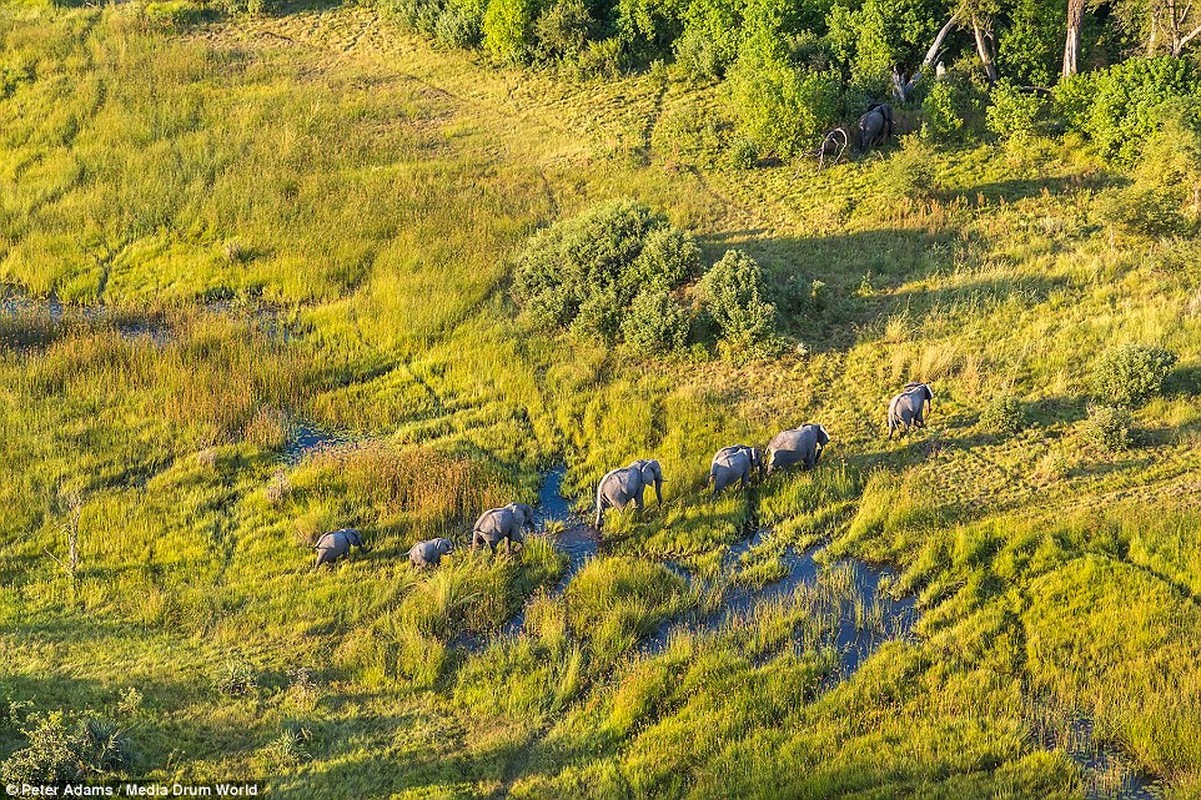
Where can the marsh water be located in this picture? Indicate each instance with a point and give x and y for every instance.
(859, 615)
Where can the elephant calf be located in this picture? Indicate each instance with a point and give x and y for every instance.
(429, 553)
(735, 463)
(909, 408)
(508, 523)
(624, 484)
(803, 445)
(336, 544)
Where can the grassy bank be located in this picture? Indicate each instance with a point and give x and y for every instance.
(313, 216)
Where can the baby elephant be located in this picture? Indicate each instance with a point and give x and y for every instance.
(625, 484)
(909, 408)
(429, 553)
(803, 445)
(508, 523)
(735, 463)
(335, 544)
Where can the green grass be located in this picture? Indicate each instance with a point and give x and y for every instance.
(314, 214)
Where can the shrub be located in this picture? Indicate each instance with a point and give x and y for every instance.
(1129, 374)
(509, 29)
(458, 27)
(783, 108)
(584, 273)
(1165, 197)
(1108, 428)
(656, 322)
(909, 172)
(59, 752)
(744, 154)
(562, 30)
(1003, 416)
(1120, 107)
(1012, 114)
(733, 292)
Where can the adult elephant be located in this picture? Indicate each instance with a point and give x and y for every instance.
(429, 553)
(875, 126)
(508, 523)
(624, 484)
(336, 544)
(737, 462)
(803, 445)
(909, 407)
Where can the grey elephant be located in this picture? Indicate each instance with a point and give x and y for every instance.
(624, 484)
(803, 445)
(875, 126)
(336, 544)
(429, 553)
(508, 523)
(735, 463)
(909, 408)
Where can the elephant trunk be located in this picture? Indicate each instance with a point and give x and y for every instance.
(659, 491)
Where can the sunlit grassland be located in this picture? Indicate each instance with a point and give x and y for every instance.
(320, 227)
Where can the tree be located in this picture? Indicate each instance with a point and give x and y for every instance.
(1071, 50)
(1167, 26)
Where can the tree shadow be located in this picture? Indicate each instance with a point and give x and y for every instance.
(1015, 189)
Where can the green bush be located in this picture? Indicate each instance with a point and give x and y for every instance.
(584, 273)
(1108, 428)
(562, 30)
(656, 323)
(509, 29)
(782, 108)
(709, 42)
(909, 172)
(1013, 114)
(1003, 416)
(1163, 199)
(733, 293)
(458, 27)
(1120, 107)
(1129, 374)
(60, 752)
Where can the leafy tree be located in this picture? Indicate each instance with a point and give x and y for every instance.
(656, 323)
(733, 291)
(1031, 45)
(782, 108)
(584, 273)
(509, 29)
(1012, 113)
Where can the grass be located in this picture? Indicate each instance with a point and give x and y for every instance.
(224, 227)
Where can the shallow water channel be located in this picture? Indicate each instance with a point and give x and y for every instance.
(846, 593)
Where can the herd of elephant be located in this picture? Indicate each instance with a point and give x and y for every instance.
(625, 485)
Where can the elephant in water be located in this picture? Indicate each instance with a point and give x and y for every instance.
(909, 407)
(336, 544)
(735, 463)
(429, 553)
(508, 523)
(875, 126)
(803, 445)
(622, 485)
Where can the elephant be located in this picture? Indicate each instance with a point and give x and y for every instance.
(508, 523)
(429, 553)
(803, 445)
(624, 484)
(735, 463)
(909, 407)
(336, 544)
(875, 126)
